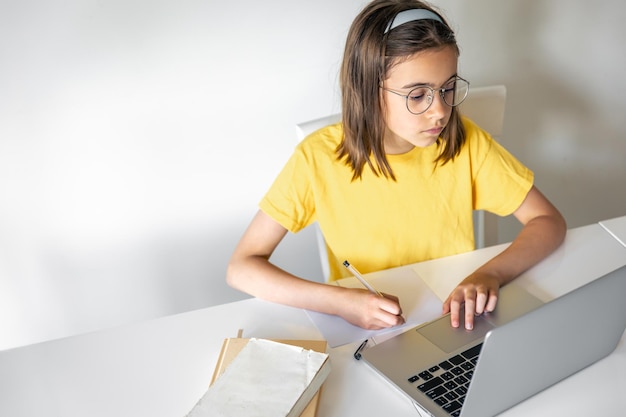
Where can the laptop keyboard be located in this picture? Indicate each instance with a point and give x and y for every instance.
(447, 382)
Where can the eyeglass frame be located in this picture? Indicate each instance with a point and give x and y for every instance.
(440, 90)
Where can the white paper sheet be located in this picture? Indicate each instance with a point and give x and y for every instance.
(419, 304)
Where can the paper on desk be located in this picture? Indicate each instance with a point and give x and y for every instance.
(419, 304)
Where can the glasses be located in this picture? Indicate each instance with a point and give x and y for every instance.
(420, 98)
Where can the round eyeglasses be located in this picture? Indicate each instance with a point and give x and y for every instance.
(419, 99)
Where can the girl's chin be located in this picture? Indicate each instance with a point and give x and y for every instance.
(425, 142)
(405, 145)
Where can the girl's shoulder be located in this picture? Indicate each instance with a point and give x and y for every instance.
(472, 129)
(476, 138)
(480, 146)
(324, 140)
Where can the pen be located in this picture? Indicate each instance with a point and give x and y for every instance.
(358, 275)
(357, 354)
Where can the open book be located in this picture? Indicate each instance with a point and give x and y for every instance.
(258, 377)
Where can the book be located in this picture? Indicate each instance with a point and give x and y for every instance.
(258, 377)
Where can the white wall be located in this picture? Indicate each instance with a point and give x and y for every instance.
(136, 136)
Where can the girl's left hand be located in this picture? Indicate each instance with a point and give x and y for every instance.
(478, 292)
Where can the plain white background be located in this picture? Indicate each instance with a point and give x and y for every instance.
(137, 137)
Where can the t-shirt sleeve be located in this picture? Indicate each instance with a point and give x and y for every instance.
(501, 182)
(289, 200)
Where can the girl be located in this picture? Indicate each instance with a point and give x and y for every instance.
(396, 182)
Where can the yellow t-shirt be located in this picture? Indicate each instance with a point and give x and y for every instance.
(378, 223)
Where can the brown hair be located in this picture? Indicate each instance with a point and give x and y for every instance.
(368, 56)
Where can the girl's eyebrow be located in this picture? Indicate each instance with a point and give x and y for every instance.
(418, 84)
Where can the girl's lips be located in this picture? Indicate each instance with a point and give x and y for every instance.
(434, 131)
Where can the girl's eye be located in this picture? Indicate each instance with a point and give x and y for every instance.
(418, 94)
(449, 87)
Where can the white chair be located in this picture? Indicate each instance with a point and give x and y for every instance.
(485, 106)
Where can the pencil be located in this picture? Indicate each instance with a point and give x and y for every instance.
(360, 277)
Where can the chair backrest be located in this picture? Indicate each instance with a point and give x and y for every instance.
(306, 128)
(485, 106)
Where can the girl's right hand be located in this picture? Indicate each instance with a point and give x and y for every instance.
(370, 311)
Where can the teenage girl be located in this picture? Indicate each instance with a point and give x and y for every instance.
(396, 182)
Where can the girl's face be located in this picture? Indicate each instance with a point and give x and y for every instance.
(404, 130)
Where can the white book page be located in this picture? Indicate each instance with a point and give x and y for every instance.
(265, 379)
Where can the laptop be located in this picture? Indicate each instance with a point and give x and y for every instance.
(521, 348)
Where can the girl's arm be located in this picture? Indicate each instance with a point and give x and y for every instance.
(544, 230)
(250, 271)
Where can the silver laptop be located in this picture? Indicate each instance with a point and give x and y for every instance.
(525, 343)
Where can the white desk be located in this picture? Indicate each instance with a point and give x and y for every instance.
(616, 227)
(162, 367)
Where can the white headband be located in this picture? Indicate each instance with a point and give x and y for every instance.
(411, 15)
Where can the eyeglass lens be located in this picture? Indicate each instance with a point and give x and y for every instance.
(453, 93)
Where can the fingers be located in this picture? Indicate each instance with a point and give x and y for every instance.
(380, 321)
(370, 311)
(394, 307)
(481, 302)
(454, 307)
(470, 310)
(382, 312)
(491, 302)
(390, 311)
(475, 300)
(389, 320)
